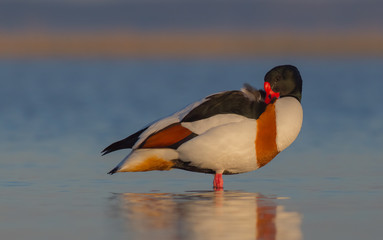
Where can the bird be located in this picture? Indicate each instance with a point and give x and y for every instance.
(230, 132)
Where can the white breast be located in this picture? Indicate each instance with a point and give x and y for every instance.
(289, 116)
(228, 147)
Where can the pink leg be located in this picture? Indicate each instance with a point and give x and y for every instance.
(218, 182)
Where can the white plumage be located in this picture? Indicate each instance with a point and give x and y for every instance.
(225, 133)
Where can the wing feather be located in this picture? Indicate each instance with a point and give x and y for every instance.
(168, 137)
(248, 102)
(172, 131)
(124, 143)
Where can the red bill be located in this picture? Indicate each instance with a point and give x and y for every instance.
(270, 94)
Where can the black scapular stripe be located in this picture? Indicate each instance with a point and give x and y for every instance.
(235, 102)
(189, 167)
(124, 143)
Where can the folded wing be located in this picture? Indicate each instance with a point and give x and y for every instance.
(170, 132)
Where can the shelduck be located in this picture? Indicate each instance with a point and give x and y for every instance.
(229, 132)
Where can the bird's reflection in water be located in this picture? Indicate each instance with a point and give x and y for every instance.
(206, 215)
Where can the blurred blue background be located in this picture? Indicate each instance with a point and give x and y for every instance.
(183, 15)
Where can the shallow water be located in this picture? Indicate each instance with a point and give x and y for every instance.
(205, 215)
(57, 115)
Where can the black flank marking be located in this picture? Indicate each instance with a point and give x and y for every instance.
(235, 102)
(125, 143)
(113, 171)
(179, 143)
(188, 167)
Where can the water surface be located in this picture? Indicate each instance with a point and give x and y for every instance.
(57, 115)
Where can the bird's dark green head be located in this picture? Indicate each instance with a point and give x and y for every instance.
(285, 80)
